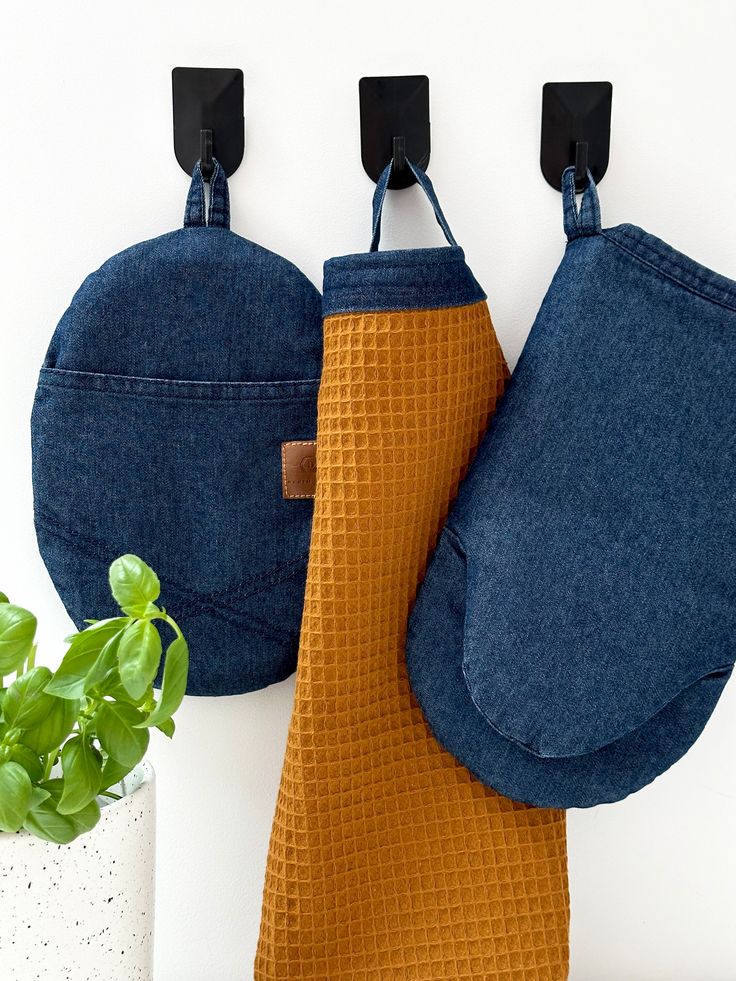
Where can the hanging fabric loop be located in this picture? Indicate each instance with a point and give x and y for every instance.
(585, 220)
(218, 214)
(426, 185)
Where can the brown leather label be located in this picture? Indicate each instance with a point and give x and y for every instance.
(299, 468)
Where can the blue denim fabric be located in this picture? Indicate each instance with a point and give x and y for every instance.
(575, 628)
(400, 279)
(169, 386)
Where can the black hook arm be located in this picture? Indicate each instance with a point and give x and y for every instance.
(206, 164)
(581, 163)
(399, 153)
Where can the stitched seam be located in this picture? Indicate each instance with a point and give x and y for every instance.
(229, 614)
(211, 208)
(204, 196)
(530, 749)
(398, 258)
(667, 275)
(429, 281)
(171, 395)
(108, 384)
(196, 606)
(271, 577)
(337, 309)
(180, 381)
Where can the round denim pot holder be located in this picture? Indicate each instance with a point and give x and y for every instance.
(575, 629)
(179, 370)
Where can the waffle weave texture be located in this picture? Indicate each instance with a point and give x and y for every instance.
(387, 859)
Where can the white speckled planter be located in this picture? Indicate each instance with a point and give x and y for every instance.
(83, 911)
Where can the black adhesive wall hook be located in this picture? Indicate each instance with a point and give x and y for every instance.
(208, 118)
(394, 125)
(576, 129)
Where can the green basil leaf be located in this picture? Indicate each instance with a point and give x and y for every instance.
(110, 686)
(82, 768)
(84, 648)
(167, 727)
(174, 685)
(93, 625)
(134, 585)
(116, 729)
(51, 731)
(17, 633)
(26, 702)
(113, 688)
(38, 796)
(44, 821)
(29, 760)
(105, 669)
(86, 818)
(113, 772)
(139, 655)
(15, 796)
(54, 788)
(3, 597)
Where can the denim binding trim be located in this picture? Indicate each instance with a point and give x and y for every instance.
(400, 279)
(678, 267)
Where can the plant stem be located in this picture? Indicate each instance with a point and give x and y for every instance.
(171, 622)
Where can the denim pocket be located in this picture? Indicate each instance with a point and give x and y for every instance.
(187, 475)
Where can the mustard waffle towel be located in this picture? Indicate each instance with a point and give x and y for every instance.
(388, 860)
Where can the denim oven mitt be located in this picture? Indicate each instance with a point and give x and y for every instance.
(171, 384)
(576, 626)
(387, 859)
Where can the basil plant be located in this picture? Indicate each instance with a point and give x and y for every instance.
(68, 737)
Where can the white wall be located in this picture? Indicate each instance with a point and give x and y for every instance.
(89, 169)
